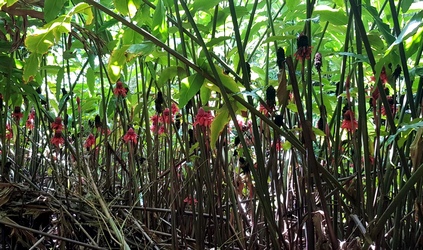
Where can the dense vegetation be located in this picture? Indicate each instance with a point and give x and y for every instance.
(132, 124)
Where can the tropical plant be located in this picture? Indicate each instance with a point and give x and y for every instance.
(211, 124)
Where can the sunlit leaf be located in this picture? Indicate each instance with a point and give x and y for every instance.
(90, 75)
(189, 87)
(116, 62)
(333, 16)
(278, 38)
(31, 67)
(52, 8)
(142, 49)
(169, 73)
(205, 94)
(219, 122)
(203, 5)
(159, 20)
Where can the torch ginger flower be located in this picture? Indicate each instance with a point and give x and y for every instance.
(130, 136)
(57, 139)
(90, 141)
(203, 118)
(349, 123)
(119, 89)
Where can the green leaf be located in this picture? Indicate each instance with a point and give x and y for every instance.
(228, 81)
(383, 27)
(278, 38)
(333, 16)
(83, 8)
(219, 122)
(159, 21)
(121, 6)
(142, 49)
(410, 29)
(169, 73)
(52, 8)
(405, 5)
(189, 87)
(31, 67)
(205, 94)
(90, 75)
(358, 56)
(116, 62)
(59, 79)
(203, 5)
(217, 40)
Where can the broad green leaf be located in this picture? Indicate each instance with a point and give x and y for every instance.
(219, 122)
(333, 16)
(228, 81)
(52, 8)
(383, 27)
(278, 38)
(358, 56)
(205, 94)
(217, 40)
(142, 49)
(203, 5)
(116, 62)
(169, 73)
(59, 79)
(122, 6)
(31, 67)
(159, 20)
(8, 3)
(83, 8)
(189, 87)
(410, 29)
(90, 75)
(405, 5)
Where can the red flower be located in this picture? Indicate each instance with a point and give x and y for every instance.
(78, 102)
(57, 124)
(9, 132)
(130, 136)
(57, 139)
(303, 49)
(17, 114)
(263, 109)
(203, 118)
(167, 116)
(31, 115)
(155, 119)
(90, 141)
(349, 123)
(189, 200)
(119, 89)
(174, 108)
(29, 124)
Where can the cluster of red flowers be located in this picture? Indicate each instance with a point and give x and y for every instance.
(17, 114)
(120, 90)
(349, 123)
(29, 124)
(303, 49)
(9, 131)
(130, 136)
(89, 142)
(203, 118)
(57, 127)
(159, 121)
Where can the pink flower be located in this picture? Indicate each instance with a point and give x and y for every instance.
(263, 109)
(17, 114)
(90, 141)
(349, 123)
(167, 116)
(9, 132)
(57, 139)
(174, 108)
(303, 48)
(29, 124)
(155, 119)
(203, 118)
(119, 89)
(57, 124)
(189, 200)
(31, 115)
(130, 136)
